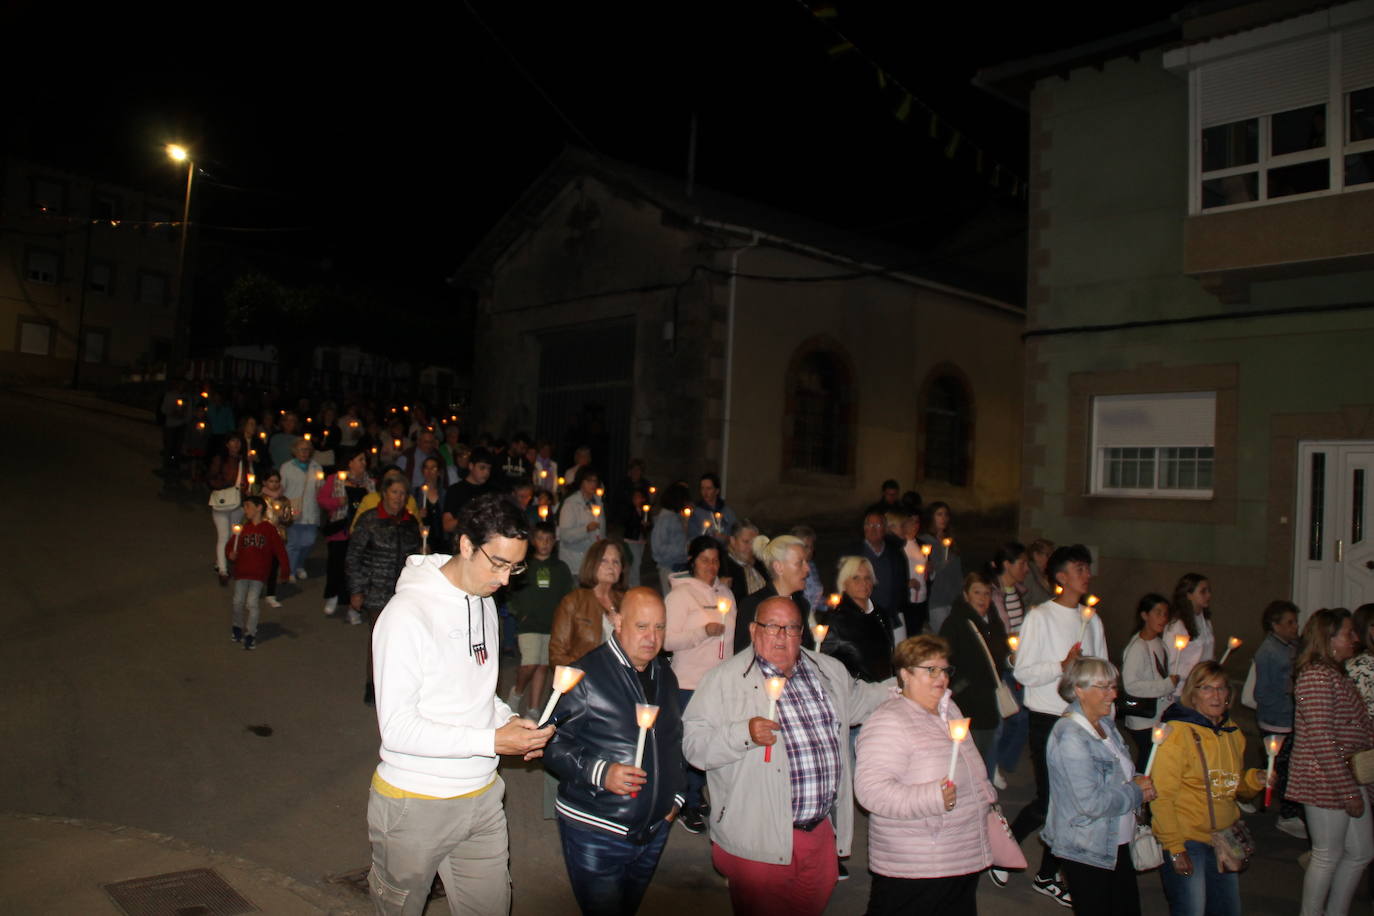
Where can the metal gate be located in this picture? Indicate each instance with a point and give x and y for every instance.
(586, 376)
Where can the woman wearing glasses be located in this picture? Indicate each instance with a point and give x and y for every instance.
(582, 620)
(927, 837)
(1196, 800)
(1094, 794)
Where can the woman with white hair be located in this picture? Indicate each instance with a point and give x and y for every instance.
(859, 635)
(1094, 794)
(785, 559)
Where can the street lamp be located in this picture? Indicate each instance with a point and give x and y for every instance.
(178, 153)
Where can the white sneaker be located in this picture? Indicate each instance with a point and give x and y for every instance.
(300, 575)
(1293, 826)
(999, 876)
(272, 601)
(998, 779)
(1245, 806)
(354, 617)
(330, 605)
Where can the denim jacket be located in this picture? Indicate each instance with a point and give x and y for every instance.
(1274, 684)
(1087, 792)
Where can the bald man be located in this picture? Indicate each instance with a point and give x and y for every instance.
(779, 824)
(615, 812)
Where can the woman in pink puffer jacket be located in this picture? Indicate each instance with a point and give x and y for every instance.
(927, 838)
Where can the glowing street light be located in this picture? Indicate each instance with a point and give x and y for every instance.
(178, 153)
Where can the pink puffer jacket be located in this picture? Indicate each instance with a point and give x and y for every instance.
(903, 757)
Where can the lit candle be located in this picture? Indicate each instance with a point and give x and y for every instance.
(205, 394)
(600, 492)
(424, 540)
(406, 408)
(686, 511)
(723, 609)
(920, 569)
(282, 412)
(958, 731)
(1013, 643)
(252, 453)
(252, 478)
(307, 437)
(565, 678)
(180, 402)
(774, 687)
(834, 599)
(646, 511)
(395, 443)
(562, 481)
(1059, 589)
(946, 543)
(717, 518)
(652, 490)
(596, 511)
(374, 449)
(1231, 645)
(925, 550)
(706, 526)
(424, 493)
(543, 513)
(343, 475)
(310, 419)
(645, 716)
(1180, 643)
(1087, 614)
(200, 424)
(543, 473)
(1156, 738)
(1271, 747)
(820, 630)
(263, 435)
(237, 529)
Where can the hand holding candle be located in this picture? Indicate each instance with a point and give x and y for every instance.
(1157, 737)
(774, 687)
(645, 716)
(958, 731)
(1231, 645)
(1272, 744)
(565, 678)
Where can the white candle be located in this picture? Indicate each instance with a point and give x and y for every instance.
(1087, 613)
(774, 687)
(1180, 643)
(1156, 738)
(820, 630)
(723, 609)
(565, 678)
(424, 541)
(645, 716)
(946, 542)
(1231, 645)
(958, 731)
(1271, 747)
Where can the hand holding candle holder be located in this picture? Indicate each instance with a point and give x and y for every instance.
(1157, 737)
(565, 678)
(1231, 645)
(1272, 744)
(958, 731)
(773, 686)
(645, 715)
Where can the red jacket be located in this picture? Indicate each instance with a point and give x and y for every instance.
(257, 544)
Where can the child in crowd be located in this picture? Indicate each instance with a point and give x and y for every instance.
(251, 550)
(1274, 699)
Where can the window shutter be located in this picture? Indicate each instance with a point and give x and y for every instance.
(1264, 82)
(1154, 420)
(1357, 58)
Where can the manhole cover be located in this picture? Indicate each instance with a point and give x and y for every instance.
(198, 892)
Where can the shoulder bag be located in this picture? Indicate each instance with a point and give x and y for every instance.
(1006, 703)
(1143, 707)
(228, 497)
(1234, 846)
(1146, 853)
(1006, 852)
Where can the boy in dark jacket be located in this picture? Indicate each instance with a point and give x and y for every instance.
(252, 548)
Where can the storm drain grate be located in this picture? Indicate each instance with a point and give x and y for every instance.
(198, 892)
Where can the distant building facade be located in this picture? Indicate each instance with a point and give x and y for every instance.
(1199, 385)
(707, 333)
(83, 276)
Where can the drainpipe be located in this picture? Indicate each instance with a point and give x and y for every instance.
(730, 364)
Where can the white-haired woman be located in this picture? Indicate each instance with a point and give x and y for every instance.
(859, 636)
(1094, 794)
(785, 559)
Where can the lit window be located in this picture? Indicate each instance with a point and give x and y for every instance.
(1160, 445)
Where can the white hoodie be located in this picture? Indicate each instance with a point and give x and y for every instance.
(436, 705)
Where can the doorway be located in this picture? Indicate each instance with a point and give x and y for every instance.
(1333, 561)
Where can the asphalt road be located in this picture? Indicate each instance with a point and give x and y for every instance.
(126, 702)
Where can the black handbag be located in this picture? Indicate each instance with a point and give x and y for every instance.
(1142, 707)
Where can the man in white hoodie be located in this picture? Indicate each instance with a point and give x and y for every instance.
(435, 802)
(1053, 636)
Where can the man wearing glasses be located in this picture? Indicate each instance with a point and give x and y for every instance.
(435, 802)
(778, 824)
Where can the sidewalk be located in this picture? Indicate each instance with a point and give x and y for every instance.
(53, 865)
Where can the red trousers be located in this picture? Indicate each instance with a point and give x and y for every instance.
(800, 889)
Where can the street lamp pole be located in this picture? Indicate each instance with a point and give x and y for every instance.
(182, 338)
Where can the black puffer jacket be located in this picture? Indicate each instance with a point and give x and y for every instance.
(597, 727)
(377, 551)
(974, 684)
(861, 640)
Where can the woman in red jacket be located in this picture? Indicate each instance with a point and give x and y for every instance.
(1329, 725)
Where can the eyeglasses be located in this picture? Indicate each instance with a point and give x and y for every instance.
(935, 671)
(793, 630)
(1215, 688)
(1108, 686)
(502, 566)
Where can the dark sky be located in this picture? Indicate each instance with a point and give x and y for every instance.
(399, 135)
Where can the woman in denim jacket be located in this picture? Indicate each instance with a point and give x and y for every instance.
(1094, 794)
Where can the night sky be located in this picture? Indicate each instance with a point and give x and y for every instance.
(398, 136)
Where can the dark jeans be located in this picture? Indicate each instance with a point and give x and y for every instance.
(1032, 817)
(1104, 892)
(1286, 807)
(334, 585)
(609, 874)
(952, 896)
(696, 779)
(1206, 890)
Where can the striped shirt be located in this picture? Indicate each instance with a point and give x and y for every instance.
(808, 733)
(1016, 611)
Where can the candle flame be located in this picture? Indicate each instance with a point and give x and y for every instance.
(374, 449)
(945, 542)
(1181, 642)
(706, 526)
(238, 528)
(596, 511)
(1092, 600)
(424, 532)
(722, 606)
(1234, 642)
(820, 631)
(774, 687)
(396, 443)
(958, 729)
(543, 512)
(645, 715)
(1087, 613)
(686, 511)
(262, 435)
(1059, 589)
(1160, 733)
(543, 473)
(920, 569)
(307, 437)
(343, 475)
(600, 492)
(319, 475)
(653, 490)
(834, 599)
(562, 480)
(1272, 744)
(205, 394)
(925, 550)
(180, 402)
(1014, 642)
(251, 479)
(565, 677)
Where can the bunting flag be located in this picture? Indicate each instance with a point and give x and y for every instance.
(957, 146)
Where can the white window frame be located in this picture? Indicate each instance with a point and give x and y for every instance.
(1098, 460)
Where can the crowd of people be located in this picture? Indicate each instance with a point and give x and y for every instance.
(731, 693)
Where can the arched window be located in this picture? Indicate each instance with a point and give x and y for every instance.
(948, 429)
(819, 421)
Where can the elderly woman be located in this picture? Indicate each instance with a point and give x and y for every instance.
(381, 540)
(859, 635)
(1196, 799)
(1330, 723)
(974, 630)
(785, 559)
(1094, 794)
(699, 635)
(582, 620)
(927, 837)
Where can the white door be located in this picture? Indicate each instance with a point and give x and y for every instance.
(1333, 564)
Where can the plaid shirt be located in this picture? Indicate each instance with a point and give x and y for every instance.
(808, 733)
